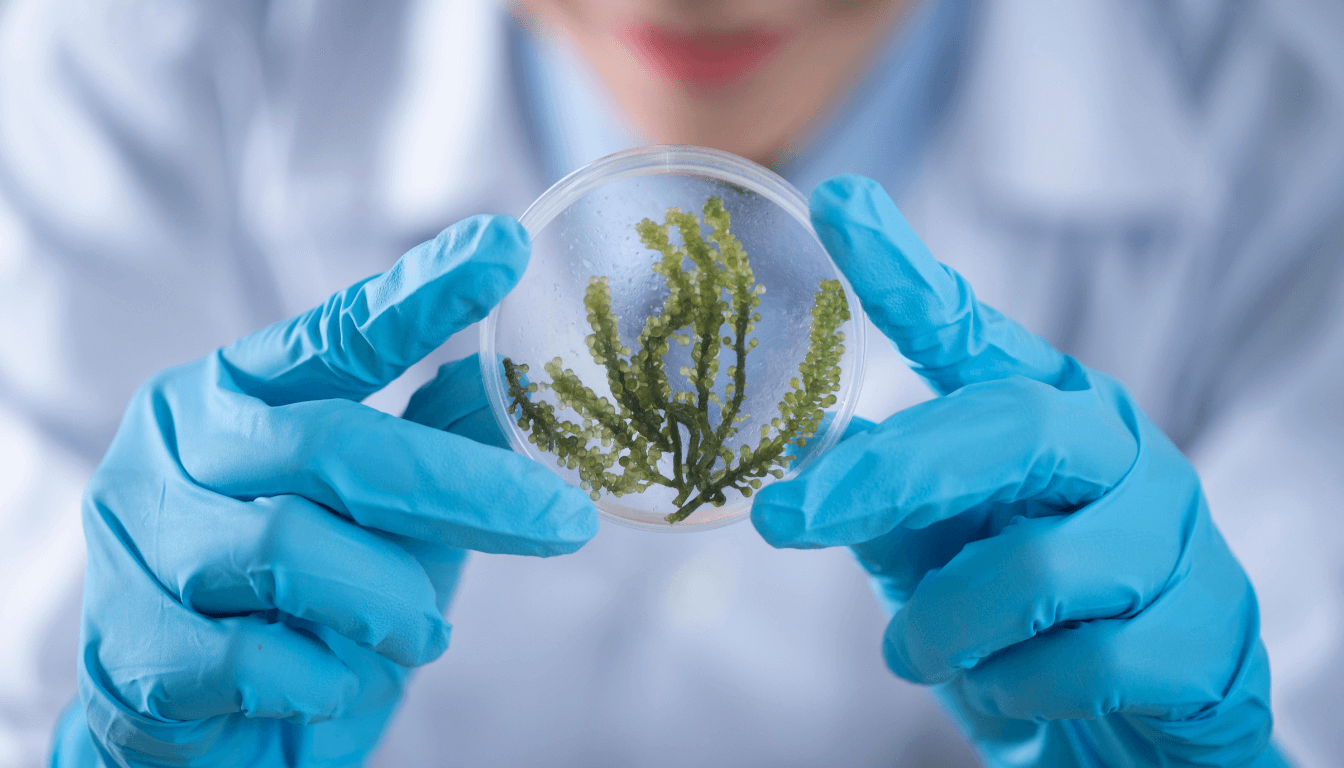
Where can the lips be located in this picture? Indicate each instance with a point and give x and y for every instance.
(704, 58)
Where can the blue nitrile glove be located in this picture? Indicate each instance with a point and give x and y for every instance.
(267, 557)
(1045, 551)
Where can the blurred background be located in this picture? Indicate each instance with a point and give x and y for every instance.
(1156, 187)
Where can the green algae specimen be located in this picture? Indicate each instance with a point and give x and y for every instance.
(620, 447)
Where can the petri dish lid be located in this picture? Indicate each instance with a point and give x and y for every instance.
(584, 228)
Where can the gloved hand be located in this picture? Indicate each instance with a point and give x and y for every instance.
(1046, 553)
(267, 557)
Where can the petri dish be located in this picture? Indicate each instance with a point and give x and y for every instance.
(586, 232)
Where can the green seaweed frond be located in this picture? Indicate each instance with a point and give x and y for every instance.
(619, 447)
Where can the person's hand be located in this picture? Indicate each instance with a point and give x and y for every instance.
(1045, 551)
(267, 557)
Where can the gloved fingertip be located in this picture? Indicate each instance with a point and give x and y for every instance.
(501, 232)
(856, 218)
(513, 227)
(893, 654)
(454, 280)
(326, 694)
(897, 653)
(496, 242)
(857, 426)
(482, 427)
(440, 634)
(416, 649)
(577, 522)
(782, 524)
(845, 193)
(281, 672)
(508, 237)
(467, 371)
(321, 712)
(455, 393)
(561, 520)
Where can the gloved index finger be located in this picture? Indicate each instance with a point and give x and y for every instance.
(928, 310)
(365, 336)
(1013, 443)
(389, 474)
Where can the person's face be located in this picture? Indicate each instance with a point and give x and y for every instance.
(747, 76)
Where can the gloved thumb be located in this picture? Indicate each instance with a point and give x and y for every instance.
(926, 309)
(363, 337)
(455, 401)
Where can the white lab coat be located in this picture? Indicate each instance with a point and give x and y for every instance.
(1156, 187)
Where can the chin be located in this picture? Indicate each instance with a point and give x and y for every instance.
(734, 117)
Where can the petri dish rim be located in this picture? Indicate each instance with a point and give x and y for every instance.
(667, 159)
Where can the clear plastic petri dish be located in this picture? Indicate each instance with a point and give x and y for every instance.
(641, 426)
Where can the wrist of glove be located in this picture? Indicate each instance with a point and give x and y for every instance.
(1046, 553)
(268, 559)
